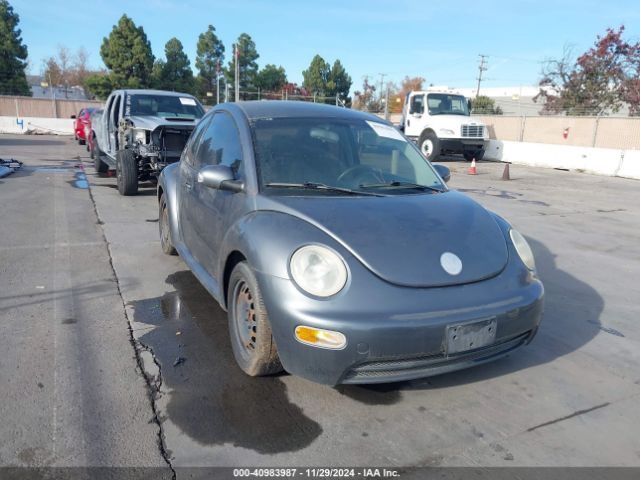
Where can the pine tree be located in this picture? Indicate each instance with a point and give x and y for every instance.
(127, 54)
(13, 54)
(209, 60)
(248, 67)
(175, 72)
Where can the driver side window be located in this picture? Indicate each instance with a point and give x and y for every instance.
(220, 144)
(417, 104)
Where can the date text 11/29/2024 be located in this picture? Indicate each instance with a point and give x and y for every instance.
(317, 472)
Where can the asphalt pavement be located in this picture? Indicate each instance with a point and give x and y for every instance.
(82, 271)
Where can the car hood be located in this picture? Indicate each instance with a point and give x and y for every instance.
(152, 122)
(402, 238)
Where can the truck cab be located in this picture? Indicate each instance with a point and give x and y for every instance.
(142, 131)
(440, 123)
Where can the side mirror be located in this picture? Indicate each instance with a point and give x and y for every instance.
(220, 177)
(443, 171)
(73, 116)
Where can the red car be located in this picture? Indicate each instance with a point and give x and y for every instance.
(82, 121)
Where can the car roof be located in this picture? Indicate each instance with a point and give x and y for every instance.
(294, 108)
(143, 91)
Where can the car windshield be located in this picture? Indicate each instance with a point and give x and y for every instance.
(171, 106)
(294, 155)
(445, 104)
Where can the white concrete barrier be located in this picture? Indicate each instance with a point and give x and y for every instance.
(56, 126)
(630, 167)
(600, 161)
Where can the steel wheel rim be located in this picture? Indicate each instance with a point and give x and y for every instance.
(427, 148)
(244, 317)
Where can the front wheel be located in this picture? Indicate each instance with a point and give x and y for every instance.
(251, 339)
(165, 228)
(429, 145)
(126, 172)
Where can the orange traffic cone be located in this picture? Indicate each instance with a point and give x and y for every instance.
(472, 169)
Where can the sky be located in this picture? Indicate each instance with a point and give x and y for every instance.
(439, 41)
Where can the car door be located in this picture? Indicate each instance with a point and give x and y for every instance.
(114, 118)
(413, 122)
(188, 176)
(213, 210)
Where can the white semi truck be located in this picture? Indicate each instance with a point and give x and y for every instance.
(439, 121)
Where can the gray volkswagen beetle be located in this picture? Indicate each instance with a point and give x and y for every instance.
(338, 251)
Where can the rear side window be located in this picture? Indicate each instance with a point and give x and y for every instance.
(220, 144)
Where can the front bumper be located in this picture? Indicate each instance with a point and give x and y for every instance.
(395, 333)
(462, 145)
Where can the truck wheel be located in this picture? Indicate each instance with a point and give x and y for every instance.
(126, 172)
(429, 145)
(251, 340)
(165, 228)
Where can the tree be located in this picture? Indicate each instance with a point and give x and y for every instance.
(484, 105)
(366, 98)
(316, 76)
(99, 85)
(271, 78)
(209, 60)
(247, 66)
(339, 83)
(13, 54)
(175, 73)
(601, 80)
(59, 70)
(127, 54)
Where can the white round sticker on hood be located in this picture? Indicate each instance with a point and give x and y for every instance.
(451, 263)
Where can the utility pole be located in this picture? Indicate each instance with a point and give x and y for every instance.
(237, 72)
(382, 75)
(218, 82)
(481, 68)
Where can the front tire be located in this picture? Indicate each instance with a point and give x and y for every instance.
(164, 228)
(429, 145)
(127, 172)
(251, 339)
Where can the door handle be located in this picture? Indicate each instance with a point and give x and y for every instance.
(188, 186)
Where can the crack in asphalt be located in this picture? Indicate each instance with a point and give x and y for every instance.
(153, 384)
(567, 417)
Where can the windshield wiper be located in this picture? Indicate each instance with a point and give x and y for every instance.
(396, 184)
(320, 186)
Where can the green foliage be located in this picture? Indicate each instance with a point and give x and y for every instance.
(175, 73)
(248, 67)
(99, 85)
(209, 54)
(327, 81)
(315, 77)
(484, 105)
(271, 78)
(339, 83)
(13, 54)
(127, 54)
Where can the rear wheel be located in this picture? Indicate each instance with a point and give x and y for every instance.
(429, 145)
(165, 228)
(127, 172)
(251, 339)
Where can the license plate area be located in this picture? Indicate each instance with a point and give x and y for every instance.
(470, 336)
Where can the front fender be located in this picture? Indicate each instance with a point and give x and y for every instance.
(168, 182)
(267, 239)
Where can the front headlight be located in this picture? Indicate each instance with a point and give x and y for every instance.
(523, 249)
(447, 131)
(318, 270)
(140, 136)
